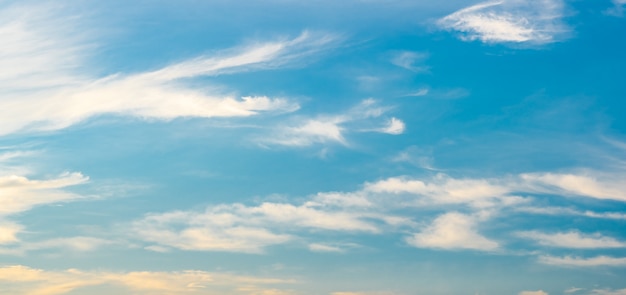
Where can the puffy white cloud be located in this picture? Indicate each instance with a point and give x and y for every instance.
(452, 231)
(395, 126)
(572, 239)
(583, 262)
(517, 21)
(25, 280)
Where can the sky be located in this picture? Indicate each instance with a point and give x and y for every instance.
(286, 147)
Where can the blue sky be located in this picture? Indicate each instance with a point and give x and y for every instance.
(312, 147)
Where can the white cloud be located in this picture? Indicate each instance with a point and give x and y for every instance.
(239, 228)
(317, 247)
(443, 189)
(452, 231)
(617, 9)
(325, 129)
(516, 21)
(47, 87)
(583, 262)
(573, 290)
(311, 132)
(570, 211)
(572, 239)
(411, 61)
(608, 292)
(18, 193)
(388, 205)
(395, 127)
(538, 292)
(595, 186)
(25, 280)
(8, 232)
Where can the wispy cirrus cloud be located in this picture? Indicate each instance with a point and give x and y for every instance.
(326, 129)
(411, 60)
(617, 9)
(538, 292)
(240, 228)
(572, 239)
(19, 279)
(509, 21)
(19, 193)
(569, 261)
(52, 89)
(608, 292)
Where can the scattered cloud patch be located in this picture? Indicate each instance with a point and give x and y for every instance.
(326, 129)
(19, 193)
(539, 292)
(617, 9)
(395, 127)
(410, 60)
(26, 280)
(572, 239)
(569, 261)
(249, 229)
(596, 186)
(509, 21)
(388, 205)
(452, 231)
(608, 292)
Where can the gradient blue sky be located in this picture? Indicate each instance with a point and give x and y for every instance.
(273, 147)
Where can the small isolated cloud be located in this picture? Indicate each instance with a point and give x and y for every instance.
(573, 290)
(538, 292)
(452, 231)
(410, 60)
(509, 21)
(394, 126)
(569, 261)
(572, 239)
(316, 247)
(416, 156)
(325, 129)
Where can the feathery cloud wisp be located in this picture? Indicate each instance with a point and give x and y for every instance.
(509, 21)
(52, 89)
(569, 261)
(572, 239)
